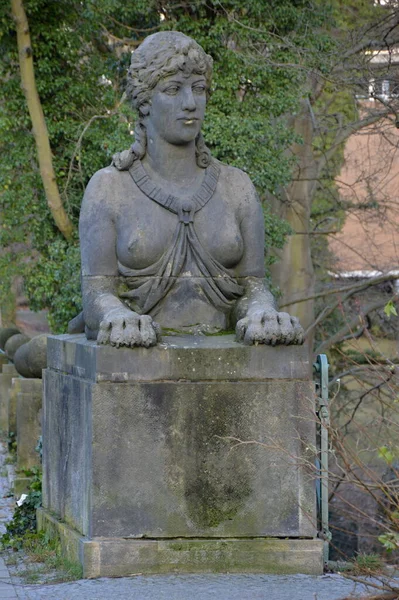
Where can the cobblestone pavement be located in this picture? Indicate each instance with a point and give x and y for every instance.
(7, 502)
(198, 587)
(7, 590)
(170, 587)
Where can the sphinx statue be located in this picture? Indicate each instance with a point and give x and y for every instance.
(141, 473)
(172, 240)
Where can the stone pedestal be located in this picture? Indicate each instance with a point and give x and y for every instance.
(29, 413)
(193, 456)
(7, 412)
(3, 361)
(12, 404)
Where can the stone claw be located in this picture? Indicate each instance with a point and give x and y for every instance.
(126, 328)
(269, 327)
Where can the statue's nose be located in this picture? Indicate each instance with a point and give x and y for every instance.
(188, 100)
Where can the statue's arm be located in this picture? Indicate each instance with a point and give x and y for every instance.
(258, 319)
(106, 317)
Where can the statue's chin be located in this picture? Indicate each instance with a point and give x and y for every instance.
(183, 134)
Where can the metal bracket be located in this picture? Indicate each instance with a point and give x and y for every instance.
(321, 369)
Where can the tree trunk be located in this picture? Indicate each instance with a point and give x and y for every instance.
(40, 132)
(294, 271)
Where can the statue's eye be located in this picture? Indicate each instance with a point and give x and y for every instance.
(199, 89)
(171, 90)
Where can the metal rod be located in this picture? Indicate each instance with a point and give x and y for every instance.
(321, 367)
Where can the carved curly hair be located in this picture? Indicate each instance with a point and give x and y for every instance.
(161, 55)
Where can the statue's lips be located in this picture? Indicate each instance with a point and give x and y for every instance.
(188, 120)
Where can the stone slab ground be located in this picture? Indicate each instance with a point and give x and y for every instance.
(200, 587)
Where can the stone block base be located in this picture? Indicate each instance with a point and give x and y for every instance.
(28, 413)
(7, 405)
(119, 557)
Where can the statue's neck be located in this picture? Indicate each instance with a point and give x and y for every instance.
(176, 164)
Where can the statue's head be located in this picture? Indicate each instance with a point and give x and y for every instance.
(159, 57)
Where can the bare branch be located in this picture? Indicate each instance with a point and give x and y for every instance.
(349, 288)
(109, 114)
(345, 132)
(353, 324)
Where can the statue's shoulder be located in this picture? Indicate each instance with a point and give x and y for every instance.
(105, 177)
(238, 182)
(103, 195)
(104, 185)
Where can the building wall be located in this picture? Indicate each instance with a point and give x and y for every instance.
(369, 181)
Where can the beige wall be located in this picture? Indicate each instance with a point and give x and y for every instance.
(370, 238)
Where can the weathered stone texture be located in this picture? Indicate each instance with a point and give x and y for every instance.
(192, 358)
(12, 403)
(29, 416)
(113, 557)
(129, 454)
(7, 374)
(204, 454)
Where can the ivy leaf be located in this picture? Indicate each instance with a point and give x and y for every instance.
(390, 541)
(386, 454)
(389, 309)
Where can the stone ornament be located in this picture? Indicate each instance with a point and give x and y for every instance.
(13, 343)
(171, 239)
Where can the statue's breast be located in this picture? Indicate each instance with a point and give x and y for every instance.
(145, 231)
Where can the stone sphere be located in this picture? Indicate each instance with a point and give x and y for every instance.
(5, 333)
(31, 358)
(37, 355)
(21, 361)
(13, 343)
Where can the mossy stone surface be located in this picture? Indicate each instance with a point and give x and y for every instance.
(119, 557)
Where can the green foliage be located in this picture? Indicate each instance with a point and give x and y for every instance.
(276, 233)
(252, 87)
(390, 309)
(69, 73)
(366, 564)
(262, 51)
(24, 518)
(387, 454)
(44, 560)
(42, 549)
(12, 442)
(390, 541)
(56, 274)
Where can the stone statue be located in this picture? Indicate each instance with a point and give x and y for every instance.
(173, 240)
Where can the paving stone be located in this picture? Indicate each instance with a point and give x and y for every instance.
(200, 587)
(7, 590)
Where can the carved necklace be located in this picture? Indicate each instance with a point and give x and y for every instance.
(185, 209)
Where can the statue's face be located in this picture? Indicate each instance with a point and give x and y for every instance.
(177, 108)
